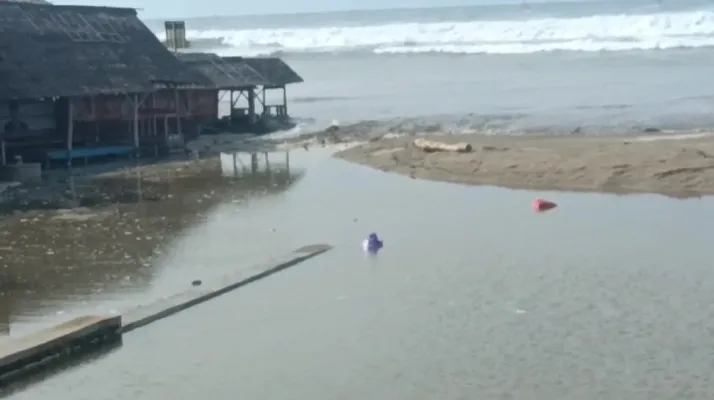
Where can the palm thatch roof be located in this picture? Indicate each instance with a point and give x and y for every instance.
(54, 51)
(224, 75)
(273, 69)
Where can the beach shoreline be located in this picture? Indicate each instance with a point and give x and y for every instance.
(674, 166)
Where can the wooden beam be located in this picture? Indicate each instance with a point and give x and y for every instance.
(430, 146)
(70, 131)
(178, 112)
(251, 105)
(232, 104)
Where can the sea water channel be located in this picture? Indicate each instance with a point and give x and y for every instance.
(473, 297)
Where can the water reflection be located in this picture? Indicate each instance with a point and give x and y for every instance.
(247, 164)
(65, 244)
(6, 306)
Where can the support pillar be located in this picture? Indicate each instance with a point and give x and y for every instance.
(265, 109)
(251, 105)
(178, 113)
(285, 100)
(231, 111)
(70, 133)
(135, 102)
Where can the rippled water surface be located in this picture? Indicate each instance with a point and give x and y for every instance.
(474, 296)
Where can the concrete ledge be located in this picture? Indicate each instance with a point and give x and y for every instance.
(80, 336)
(41, 349)
(147, 314)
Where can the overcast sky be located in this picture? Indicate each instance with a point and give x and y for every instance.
(185, 8)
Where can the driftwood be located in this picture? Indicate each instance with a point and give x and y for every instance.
(431, 146)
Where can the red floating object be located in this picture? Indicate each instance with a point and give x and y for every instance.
(540, 205)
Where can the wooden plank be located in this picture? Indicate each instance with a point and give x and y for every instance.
(54, 338)
(145, 315)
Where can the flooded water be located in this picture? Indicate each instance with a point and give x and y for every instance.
(474, 296)
(129, 239)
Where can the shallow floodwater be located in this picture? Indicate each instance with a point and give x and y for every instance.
(474, 296)
(139, 238)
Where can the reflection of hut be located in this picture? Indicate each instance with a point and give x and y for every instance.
(7, 303)
(247, 80)
(242, 164)
(78, 78)
(101, 252)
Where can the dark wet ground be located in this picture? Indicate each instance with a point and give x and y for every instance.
(74, 244)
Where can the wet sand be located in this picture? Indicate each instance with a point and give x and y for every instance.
(679, 168)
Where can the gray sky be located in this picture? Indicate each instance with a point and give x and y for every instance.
(185, 8)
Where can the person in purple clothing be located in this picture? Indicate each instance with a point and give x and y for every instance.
(372, 244)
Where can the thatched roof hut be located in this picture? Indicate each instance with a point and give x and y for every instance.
(224, 75)
(61, 51)
(272, 69)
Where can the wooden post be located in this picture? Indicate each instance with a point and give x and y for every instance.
(265, 109)
(2, 149)
(251, 105)
(267, 163)
(154, 125)
(285, 100)
(70, 131)
(136, 124)
(287, 162)
(178, 113)
(230, 115)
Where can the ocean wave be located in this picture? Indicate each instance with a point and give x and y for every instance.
(318, 99)
(589, 34)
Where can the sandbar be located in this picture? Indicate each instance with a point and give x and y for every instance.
(668, 165)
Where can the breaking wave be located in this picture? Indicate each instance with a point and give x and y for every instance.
(587, 34)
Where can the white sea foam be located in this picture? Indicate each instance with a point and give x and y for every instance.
(593, 33)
